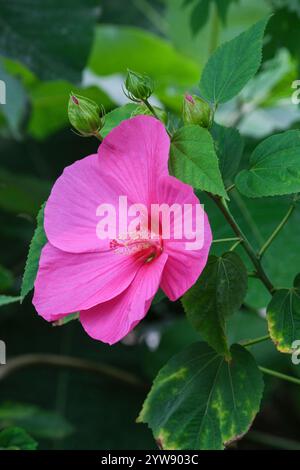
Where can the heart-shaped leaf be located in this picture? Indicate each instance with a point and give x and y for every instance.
(229, 147)
(274, 167)
(193, 159)
(233, 64)
(283, 314)
(199, 401)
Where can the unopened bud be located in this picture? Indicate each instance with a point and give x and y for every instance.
(139, 87)
(196, 111)
(84, 115)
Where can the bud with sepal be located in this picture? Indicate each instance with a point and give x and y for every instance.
(196, 111)
(139, 86)
(85, 116)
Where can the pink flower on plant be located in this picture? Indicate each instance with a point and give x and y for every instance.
(113, 289)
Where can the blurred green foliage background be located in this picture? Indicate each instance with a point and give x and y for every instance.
(52, 47)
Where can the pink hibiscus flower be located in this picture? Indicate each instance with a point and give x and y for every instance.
(113, 288)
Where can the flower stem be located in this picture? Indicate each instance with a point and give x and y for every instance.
(252, 274)
(279, 375)
(278, 229)
(251, 342)
(230, 188)
(151, 109)
(224, 240)
(245, 243)
(235, 245)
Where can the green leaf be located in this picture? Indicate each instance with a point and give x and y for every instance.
(16, 439)
(233, 64)
(283, 30)
(199, 401)
(50, 103)
(199, 15)
(37, 243)
(193, 160)
(141, 51)
(115, 117)
(283, 315)
(229, 147)
(37, 421)
(274, 167)
(217, 294)
(20, 71)
(54, 49)
(8, 299)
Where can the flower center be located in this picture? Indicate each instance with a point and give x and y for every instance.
(145, 245)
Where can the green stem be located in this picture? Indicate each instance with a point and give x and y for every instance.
(151, 109)
(230, 188)
(252, 274)
(247, 216)
(215, 27)
(235, 245)
(277, 230)
(224, 240)
(279, 375)
(245, 243)
(251, 342)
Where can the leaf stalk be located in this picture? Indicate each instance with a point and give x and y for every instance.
(278, 229)
(220, 202)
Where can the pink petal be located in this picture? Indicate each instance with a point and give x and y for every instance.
(69, 282)
(55, 317)
(136, 154)
(131, 158)
(184, 266)
(111, 321)
(70, 212)
(173, 191)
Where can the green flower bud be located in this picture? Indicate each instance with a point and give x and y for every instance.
(160, 113)
(139, 87)
(84, 115)
(196, 111)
